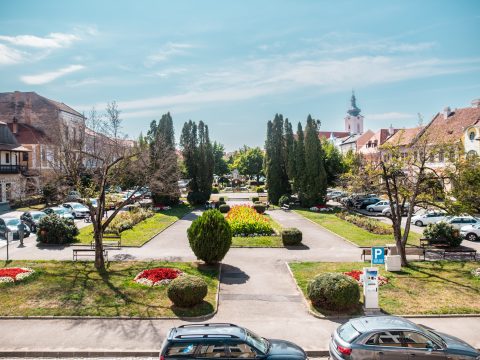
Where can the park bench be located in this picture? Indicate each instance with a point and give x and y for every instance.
(459, 250)
(285, 207)
(109, 241)
(408, 251)
(87, 252)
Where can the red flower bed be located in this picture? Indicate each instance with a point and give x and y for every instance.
(157, 276)
(357, 275)
(14, 274)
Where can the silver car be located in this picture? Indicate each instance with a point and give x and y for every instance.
(391, 337)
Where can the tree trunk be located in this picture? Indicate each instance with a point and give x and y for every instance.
(99, 260)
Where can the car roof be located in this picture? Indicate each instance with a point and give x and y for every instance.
(375, 323)
(207, 331)
(9, 218)
(36, 212)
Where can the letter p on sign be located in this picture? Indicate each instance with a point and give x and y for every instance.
(378, 255)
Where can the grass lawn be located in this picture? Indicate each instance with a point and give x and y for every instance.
(273, 241)
(143, 231)
(77, 289)
(439, 287)
(38, 207)
(351, 232)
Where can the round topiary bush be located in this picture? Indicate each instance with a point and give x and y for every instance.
(442, 233)
(291, 236)
(214, 190)
(224, 208)
(333, 291)
(210, 236)
(187, 290)
(52, 229)
(255, 199)
(260, 189)
(284, 200)
(259, 208)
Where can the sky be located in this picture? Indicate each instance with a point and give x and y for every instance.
(235, 64)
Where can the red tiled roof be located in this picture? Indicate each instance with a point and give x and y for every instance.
(328, 134)
(27, 134)
(404, 137)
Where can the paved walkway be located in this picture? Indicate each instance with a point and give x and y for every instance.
(256, 291)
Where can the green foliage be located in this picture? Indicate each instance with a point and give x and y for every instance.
(197, 198)
(224, 208)
(334, 291)
(259, 208)
(372, 225)
(260, 189)
(215, 190)
(249, 162)
(284, 200)
(299, 177)
(53, 229)
(128, 219)
(210, 236)
(255, 199)
(166, 200)
(442, 232)
(334, 165)
(466, 185)
(220, 164)
(245, 221)
(187, 291)
(289, 156)
(291, 237)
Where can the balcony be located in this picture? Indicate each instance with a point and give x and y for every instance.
(13, 169)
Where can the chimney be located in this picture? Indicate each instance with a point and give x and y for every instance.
(391, 130)
(15, 125)
(476, 104)
(446, 112)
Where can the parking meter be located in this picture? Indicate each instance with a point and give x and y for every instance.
(9, 240)
(370, 287)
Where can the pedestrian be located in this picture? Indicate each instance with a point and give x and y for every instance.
(21, 232)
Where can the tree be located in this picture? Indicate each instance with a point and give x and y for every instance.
(315, 182)
(299, 176)
(334, 163)
(275, 167)
(220, 165)
(465, 177)
(289, 154)
(250, 163)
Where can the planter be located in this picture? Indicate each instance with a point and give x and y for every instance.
(393, 263)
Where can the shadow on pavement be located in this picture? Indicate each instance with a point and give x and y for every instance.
(233, 275)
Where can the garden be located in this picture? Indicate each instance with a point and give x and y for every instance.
(360, 230)
(141, 289)
(440, 287)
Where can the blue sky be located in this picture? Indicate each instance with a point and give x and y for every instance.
(234, 64)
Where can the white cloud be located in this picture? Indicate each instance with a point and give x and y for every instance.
(390, 116)
(52, 41)
(47, 77)
(167, 51)
(10, 56)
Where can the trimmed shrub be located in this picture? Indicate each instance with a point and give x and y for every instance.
(441, 233)
(333, 291)
(291, 237)
(255, 199)
(214, 190)
(372, 225)
(245, 221)
(187, 291)
(224, 208)
(259, 208)
(219, 203)
(197, 198)
(210, 236)
(284, 200)
(52, 229)
(127, 220)
(221, 198)
(260, 189)
(165, 200)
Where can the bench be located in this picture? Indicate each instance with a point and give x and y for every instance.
(87, 252)
(285, 207)
(408, 251)
(109, 241)
(463, 250)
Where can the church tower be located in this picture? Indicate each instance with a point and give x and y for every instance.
(353, 120)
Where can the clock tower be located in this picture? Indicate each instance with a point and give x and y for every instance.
(353, 120)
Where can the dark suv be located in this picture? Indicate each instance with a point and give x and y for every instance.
(225, 341)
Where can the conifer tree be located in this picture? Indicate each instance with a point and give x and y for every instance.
(289, 150)
(299, 177)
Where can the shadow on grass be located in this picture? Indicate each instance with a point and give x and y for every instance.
(202, 308)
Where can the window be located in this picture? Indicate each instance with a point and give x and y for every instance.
(212, 350)
(25, 156)
(416, 340)
(7, 158)
(243, 351)
(471, 136)
(183, 349)
(386, 338)
(441, 156)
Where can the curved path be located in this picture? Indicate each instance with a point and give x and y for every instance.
(256, 291)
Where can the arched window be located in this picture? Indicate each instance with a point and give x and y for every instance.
(471, 135)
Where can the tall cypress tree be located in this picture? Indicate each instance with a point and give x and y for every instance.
(299, 177)
(289, 150)
(188, 142)
(315, 174)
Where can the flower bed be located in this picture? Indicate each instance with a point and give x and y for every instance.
(128, 219)
(157, 276)
(245, 221)
(371, 225)
(357, 275)
(322, 208)
(14, 274)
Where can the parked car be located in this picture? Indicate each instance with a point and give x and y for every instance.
(471, 232)
(31, 219)
(365, 202)
(460, 221)
(225, 341)
(391, 337)
(76, 209)
(10, 224)
(379, 206)
(388, 212)
(430, 217)
(73, 196)
(60, 211)
(336, 194)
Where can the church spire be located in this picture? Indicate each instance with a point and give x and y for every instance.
(354, 110)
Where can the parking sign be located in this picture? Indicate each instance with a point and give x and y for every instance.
(378, 255)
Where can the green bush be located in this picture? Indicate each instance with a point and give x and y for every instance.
(128, 219)
(372, 225)
(52, 229)
(255, 199)
(442, 232)
(210, 236)
(284, 200)
(215, 190)
(187, 290)
(224, 208)
(221, 198)
(291, 236)
(29, 201)
(259, 208)
(333, 291)
(165, 200)
(260, 189)
(197, 198)
(219, 203)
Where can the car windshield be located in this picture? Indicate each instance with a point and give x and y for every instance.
(347, 332)
(38, 216)
(59, 211)
(13, 222)
(257, 341)
(78, 206)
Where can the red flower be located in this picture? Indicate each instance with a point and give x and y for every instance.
(11, 272)
(158, 274)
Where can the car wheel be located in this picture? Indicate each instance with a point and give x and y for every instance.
(472, 237)
(370, 209)
(74, 215)
(418, 223)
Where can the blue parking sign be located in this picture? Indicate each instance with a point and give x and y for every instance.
(378, 255)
